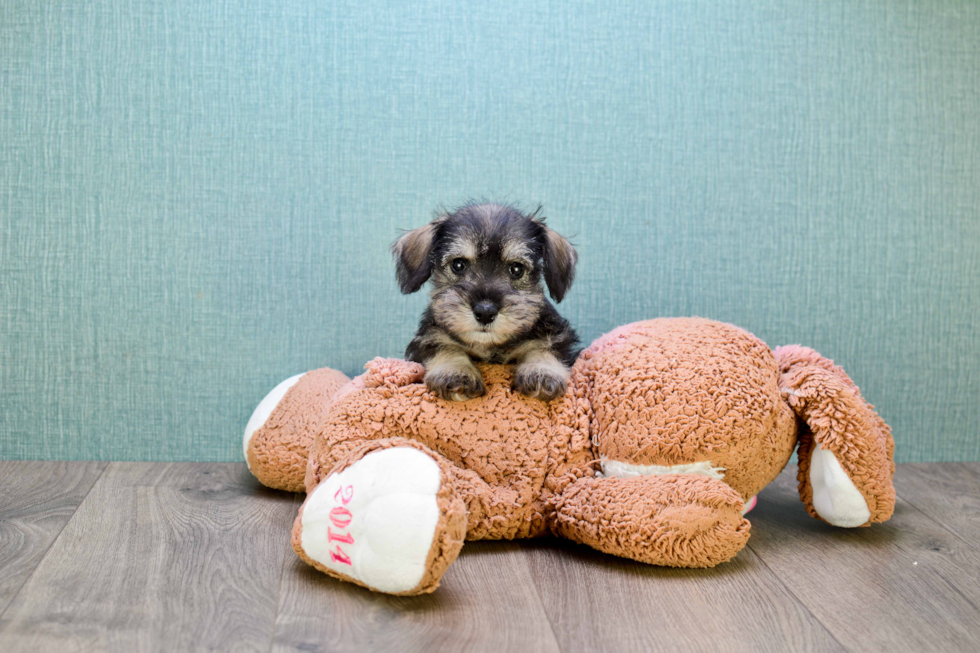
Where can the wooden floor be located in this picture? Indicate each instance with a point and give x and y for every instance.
(175, 557)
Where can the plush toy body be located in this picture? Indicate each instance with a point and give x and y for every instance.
(668, 429)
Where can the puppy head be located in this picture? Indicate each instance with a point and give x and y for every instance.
(486, 262)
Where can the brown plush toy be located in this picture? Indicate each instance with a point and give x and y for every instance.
(669, 428)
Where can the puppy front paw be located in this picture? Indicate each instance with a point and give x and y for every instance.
(541, 382)
(454, 383)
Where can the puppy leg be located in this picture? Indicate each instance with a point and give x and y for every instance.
(451, 374)
(540, 374)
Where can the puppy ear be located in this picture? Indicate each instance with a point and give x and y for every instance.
(413, 257)
(559, 263)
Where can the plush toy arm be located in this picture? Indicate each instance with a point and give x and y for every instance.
(846, 450)
(392, 372)
(676, 520)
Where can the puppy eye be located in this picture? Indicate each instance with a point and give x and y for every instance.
(516, 270)
(458, 265)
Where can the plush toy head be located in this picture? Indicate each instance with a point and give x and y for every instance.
(668, 429)
(697, 396)
(691, 392)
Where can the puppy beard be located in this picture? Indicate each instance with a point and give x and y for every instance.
(518, 313)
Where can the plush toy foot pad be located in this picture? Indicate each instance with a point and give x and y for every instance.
(376, 521)
(835, 497)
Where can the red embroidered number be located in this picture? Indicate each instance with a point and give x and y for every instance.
(333, 537)
(339, 556)
(341, 518)
(344, 494)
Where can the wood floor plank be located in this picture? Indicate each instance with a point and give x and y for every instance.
(947, 492)
(158, 556)
(905, 585)
(486, 603)
(192, 556)
(598, 602)
(37, 498)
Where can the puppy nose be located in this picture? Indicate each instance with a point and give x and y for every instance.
(485, 312)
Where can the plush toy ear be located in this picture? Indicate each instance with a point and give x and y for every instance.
(559, 262)
(413, 257)
(846, 451)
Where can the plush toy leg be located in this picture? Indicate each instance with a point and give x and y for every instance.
(279, 433)
(676, 520)
(387, 404)
(387, 518)
(486, 507)
(845, 450)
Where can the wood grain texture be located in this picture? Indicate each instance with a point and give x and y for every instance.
(948, 493)
(37, 498)
(486, 602)
(906, 585)
(598, 602)
(169, 557)
(166, 557)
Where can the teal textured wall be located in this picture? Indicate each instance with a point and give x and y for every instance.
(197, 197)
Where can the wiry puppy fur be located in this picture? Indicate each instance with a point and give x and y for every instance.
(486, 262)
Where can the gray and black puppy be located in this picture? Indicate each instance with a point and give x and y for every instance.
(486, 262)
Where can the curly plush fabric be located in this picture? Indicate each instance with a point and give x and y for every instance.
(279, 449)
(678, 520)
(499, 447)
(667, 429)
(839, 419)
(672, 391)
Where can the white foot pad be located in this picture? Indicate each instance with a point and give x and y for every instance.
(835, 498)
(375, 521)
